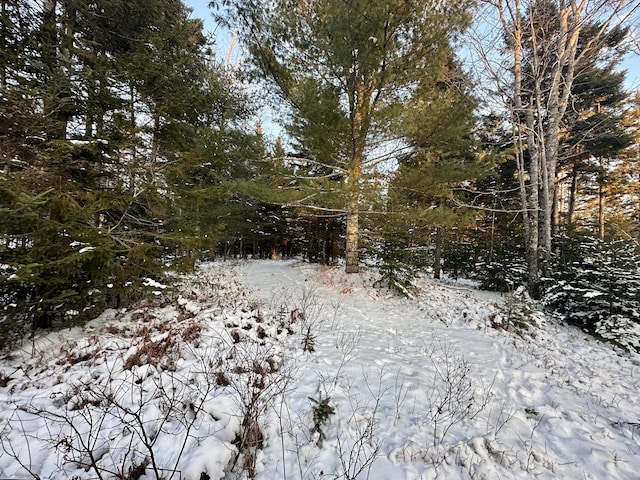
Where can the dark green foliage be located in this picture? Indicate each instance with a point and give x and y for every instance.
(518, 312)
(400, 264)
(322, 410)
(491, 254)
(346, 71)
(596, 286)
(505, 272)
(62, 267)
(427, 193)
(118, 138)
(308, 340)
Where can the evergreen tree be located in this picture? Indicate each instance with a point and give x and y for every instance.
(596, 134)
(596, 286)
(109, 105)
(346, 69)
(422, 193)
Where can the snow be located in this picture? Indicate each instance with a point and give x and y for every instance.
(315, 374)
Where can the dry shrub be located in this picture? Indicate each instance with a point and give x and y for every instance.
(151, 352)
(185, 316)
(249, 442)
(114, 329)
(237, 336)
(191, 332)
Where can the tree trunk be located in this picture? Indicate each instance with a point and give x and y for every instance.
(524, 123)
(558, 192)
(541, 94)
(155, 140)
(359, 105)
(573, 194)
(57, 123)
(437, 255)
(4, 34)
(353, 232)
(601, 201)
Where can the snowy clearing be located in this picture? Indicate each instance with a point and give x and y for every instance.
(285, 370)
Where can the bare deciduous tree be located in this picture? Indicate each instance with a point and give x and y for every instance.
(532, 53)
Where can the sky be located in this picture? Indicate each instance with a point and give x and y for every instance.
(201, 10)
(222, 35)
(273, 128)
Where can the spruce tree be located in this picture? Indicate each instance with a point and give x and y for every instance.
(101, 100)
(442, 159)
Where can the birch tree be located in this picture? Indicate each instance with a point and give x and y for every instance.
(345, 68)
(543, 42)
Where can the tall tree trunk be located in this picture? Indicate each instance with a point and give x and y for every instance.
(437, 255)
(155, 140)
(359, 106)
(353, 229)
(601, 204)
(540, 104)
(601, 200)
(4, 34)
(558, 192)
(573, 194)
(523, 130)
(57, 126)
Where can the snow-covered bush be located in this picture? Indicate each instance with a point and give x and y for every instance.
(599, 291)
(518, 312)
(501, 274)
(398, 264)
(500, 267)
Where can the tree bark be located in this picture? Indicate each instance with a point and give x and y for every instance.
(353, 227)
(57, 123)
(601, 201)
(558, 192)
(573, 194)
(437, 255)
(4, 21)
(360, 96)
(524, 129)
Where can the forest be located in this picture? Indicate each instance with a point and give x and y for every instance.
(492, 140)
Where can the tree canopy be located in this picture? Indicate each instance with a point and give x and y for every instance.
(346, 69)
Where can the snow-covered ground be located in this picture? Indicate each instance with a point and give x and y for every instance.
(313, 374)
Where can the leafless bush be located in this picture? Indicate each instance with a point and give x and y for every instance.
(358, 446)
(454, 397)
(401, 392)
(22, 456)
(134, 407)
(259, 378)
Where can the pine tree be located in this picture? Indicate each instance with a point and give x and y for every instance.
(345, 69)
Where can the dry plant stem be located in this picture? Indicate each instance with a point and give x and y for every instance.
(453, 398)
(504, 417)
(257, 385)
(127, 403)
(358, 456)
(401, 393)
(9, 449)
